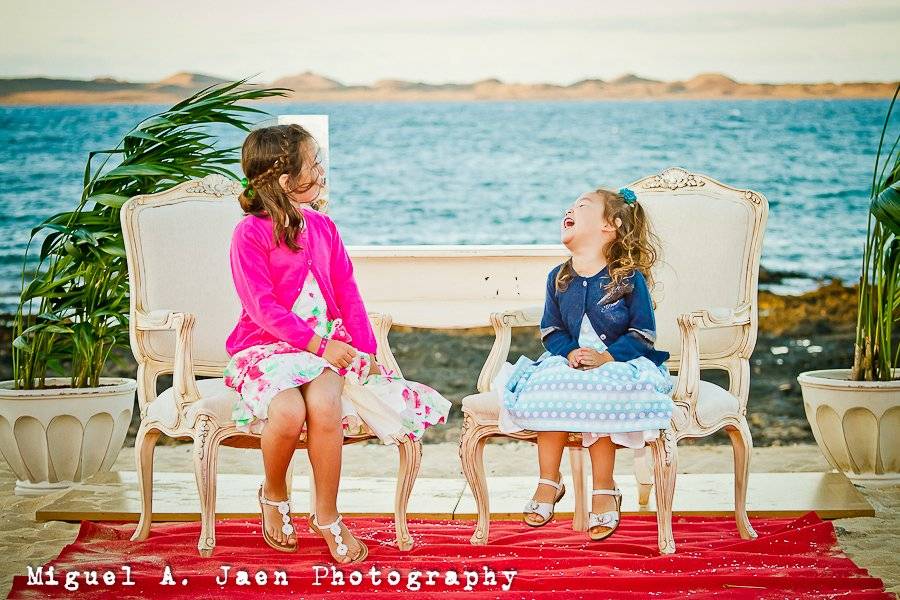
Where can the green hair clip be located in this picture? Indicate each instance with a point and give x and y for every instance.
(246, 183)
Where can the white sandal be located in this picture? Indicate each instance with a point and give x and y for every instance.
(608, 520)
(341, 548)
(544, 509)
(287, 528)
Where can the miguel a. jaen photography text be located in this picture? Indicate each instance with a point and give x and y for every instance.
(413, 580)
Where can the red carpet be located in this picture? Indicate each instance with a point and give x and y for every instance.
(792, 558)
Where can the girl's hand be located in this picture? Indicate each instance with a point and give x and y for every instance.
(575, 358)
(339, 354)
(588, 358)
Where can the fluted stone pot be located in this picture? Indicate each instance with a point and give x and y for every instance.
(856, 423)
(55, 437)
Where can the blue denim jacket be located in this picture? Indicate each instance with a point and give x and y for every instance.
(623, 318)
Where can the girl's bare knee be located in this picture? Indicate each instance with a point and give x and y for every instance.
(287, 412)
(326, 414)
(288, 395)
(324, 398)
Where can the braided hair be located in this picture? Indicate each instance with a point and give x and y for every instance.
(267, 154)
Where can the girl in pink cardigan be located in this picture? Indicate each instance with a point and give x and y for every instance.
(303, 350)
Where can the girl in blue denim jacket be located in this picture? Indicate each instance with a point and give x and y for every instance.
(601, 375)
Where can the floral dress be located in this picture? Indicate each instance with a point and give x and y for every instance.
(628, 401)
(381, 403)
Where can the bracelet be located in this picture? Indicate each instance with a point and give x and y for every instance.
(321, 349)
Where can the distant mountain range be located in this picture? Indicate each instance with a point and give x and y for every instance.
(313, 87)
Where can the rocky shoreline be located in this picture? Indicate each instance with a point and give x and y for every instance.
(814, 330)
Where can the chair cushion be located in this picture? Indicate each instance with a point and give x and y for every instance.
(714, 403)
(483, 407)
(215, 398)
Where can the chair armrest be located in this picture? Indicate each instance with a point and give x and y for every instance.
(182, 323)
(688, 382)
(381, 324)
(503, 322)
(721, 317)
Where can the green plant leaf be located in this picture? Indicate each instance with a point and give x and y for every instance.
(84, 235)
(114, 249)
(22, 344)
(143, 135)
(137, 170)
(886, 208)
(110, 200)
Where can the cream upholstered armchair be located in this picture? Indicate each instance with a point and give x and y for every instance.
(183, 305)
(706, 317)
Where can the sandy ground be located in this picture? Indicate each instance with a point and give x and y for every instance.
(873, 542)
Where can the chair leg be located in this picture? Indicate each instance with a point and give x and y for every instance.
(144, 445)
(643, 474)
(410, 460)
(471, 454)
(665, 467)
(579, 473)
(205, 454)
(742, 444)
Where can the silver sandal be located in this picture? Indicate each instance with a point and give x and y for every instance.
(287, 528)
(608, 520)
(544, 509)
(341, 548)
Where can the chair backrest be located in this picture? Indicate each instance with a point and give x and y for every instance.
(177, 244)
(711, 238)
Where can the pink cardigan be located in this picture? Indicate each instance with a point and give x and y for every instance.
(268, 280)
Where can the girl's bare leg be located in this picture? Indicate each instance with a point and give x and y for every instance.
(325, 441)
(279, 440)
(325, 437)
(603, 459)
(550, 449)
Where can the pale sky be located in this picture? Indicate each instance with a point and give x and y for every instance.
(359, 42)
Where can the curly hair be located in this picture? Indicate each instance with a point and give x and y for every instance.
(267, 154)
(635, 247)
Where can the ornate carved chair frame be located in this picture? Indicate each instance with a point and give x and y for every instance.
(692, 417)
(168, 338)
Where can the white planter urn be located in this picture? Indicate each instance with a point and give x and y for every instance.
(855, 423)
(55, 437)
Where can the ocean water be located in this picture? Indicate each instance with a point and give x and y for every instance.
(502, 172)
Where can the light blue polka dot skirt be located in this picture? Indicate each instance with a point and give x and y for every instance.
(549, 395)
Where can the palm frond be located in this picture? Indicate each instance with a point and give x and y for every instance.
(81, 282)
